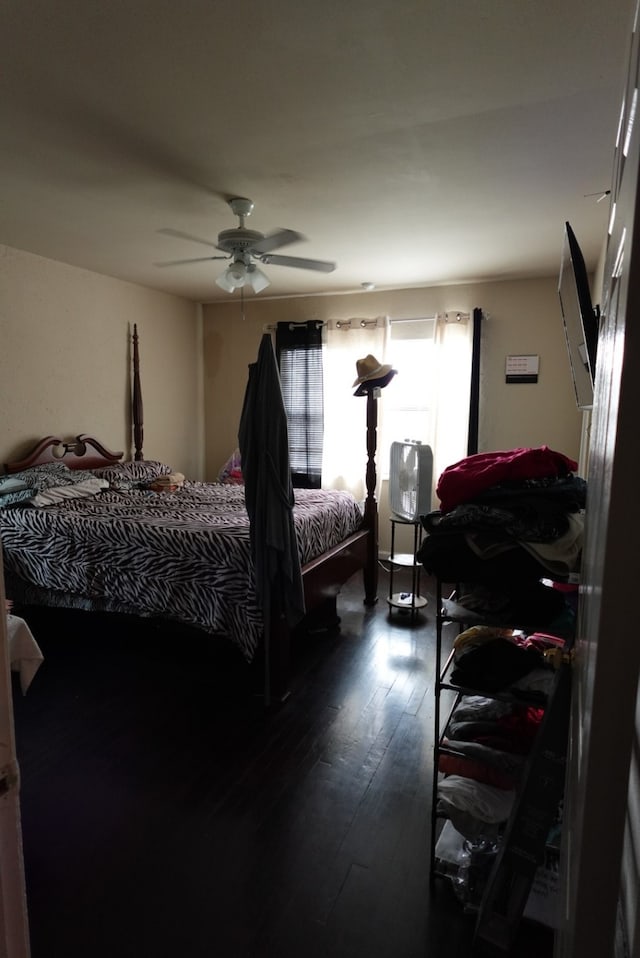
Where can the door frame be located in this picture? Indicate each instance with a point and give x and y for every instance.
(14, 928)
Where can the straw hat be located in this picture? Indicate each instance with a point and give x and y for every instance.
(369, 368)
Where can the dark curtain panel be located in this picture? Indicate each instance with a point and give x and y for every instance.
(474, 401)
(299, 356)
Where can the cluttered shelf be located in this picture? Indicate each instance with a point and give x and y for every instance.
(506, 717)
(507, 542)
(509, 661)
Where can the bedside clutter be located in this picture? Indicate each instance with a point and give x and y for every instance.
(169, 483)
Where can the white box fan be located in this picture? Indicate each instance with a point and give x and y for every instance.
(410, 478)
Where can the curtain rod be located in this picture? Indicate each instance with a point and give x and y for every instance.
(452, 316)
(271, 327)
(338, 324)
(348, 323)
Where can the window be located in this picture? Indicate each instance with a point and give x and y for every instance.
(428, 400)
(299, 355)
(410, 406)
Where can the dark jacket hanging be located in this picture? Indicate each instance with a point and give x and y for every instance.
(264, 451)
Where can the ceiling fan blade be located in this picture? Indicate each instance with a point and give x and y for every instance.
(275, 240)
(187, 236)
(322, 266)
(181, 262)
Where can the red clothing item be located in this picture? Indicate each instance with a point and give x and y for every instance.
(462, 481)
(477, 770)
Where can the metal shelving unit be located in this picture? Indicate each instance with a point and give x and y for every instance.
(539, 792)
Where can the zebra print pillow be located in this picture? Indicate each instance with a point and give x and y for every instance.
(127, 474)
(50, 475)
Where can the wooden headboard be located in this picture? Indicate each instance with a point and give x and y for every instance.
(83, 452)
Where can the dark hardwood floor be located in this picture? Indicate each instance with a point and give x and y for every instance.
(166, 813)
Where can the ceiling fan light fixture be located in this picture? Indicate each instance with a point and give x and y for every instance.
(237, 273)
(225, 282)
(257, 279)
(234, 276)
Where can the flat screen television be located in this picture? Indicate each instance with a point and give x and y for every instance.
(581, 320)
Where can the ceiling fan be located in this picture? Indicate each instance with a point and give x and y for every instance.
(243, 246)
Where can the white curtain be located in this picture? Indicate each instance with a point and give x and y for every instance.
(454, 344)
(345, 415)
(345, 443)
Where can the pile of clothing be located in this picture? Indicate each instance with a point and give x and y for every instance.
(507, 520)
(483, 755)
(492, 660)
(484, 748)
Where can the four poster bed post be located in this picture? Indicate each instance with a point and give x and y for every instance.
(138, 432)
(371, 505)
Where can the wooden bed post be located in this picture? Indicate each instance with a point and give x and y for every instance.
(322, 580)
(138, 431)
(370, 505)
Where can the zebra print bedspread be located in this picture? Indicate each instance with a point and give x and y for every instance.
(183, 555)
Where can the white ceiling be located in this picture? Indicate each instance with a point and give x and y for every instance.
(414, 142)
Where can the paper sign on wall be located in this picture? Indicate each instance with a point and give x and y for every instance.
(522, 369)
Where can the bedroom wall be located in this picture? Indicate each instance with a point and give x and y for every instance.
(65, 365)
(522, 317)
(65, 361)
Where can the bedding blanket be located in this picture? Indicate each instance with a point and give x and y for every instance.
(183, 555)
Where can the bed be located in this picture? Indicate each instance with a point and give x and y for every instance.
(182, 554)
